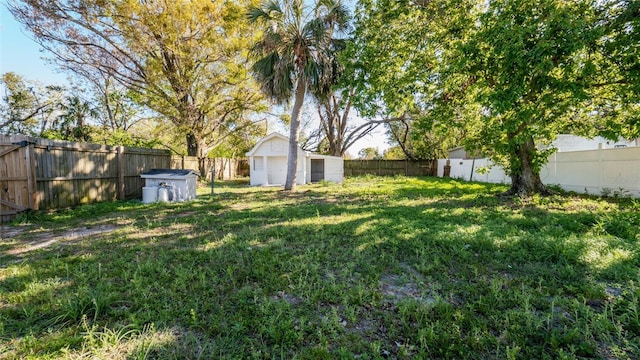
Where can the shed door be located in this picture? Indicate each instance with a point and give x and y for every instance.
(317, 170)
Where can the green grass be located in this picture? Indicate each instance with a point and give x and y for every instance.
(373, 268)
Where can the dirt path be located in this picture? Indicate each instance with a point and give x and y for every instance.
(40, 240)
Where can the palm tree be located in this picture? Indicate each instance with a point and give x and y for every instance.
(295, 54)
(72, 121)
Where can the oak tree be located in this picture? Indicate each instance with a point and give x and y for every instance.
(185, 59)
(512, 73)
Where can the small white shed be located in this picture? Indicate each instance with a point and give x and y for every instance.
(268, 163)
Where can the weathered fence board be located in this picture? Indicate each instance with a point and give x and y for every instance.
(389, 167)
(16, 176)
(225, 169)
(69, 174)
(137, 161)
(49, 174)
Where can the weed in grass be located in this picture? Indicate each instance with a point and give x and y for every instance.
(375, 267)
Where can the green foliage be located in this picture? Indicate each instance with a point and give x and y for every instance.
(27, 107)
(511, 73)
(369, 153)
(183, 59)
(299, 41)
(420, 142)
(393, 153)
(376, 267)
(121, 137)
(73, 120)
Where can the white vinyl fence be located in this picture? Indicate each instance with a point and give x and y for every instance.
(600, 172)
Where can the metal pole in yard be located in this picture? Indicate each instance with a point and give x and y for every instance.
(213, 175)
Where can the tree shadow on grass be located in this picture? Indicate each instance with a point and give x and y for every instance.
(313, 277)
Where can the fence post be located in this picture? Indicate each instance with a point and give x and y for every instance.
(601, 168)
(121, 169)
(446, 172)
(32, 187)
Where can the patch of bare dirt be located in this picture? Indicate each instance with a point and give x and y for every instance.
(395, 288)
(291, 299)
(9, 232)
(41, 240)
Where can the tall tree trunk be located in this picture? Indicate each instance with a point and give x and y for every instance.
(294, 135)
(196, 147)
(525, 178)
(193, 147)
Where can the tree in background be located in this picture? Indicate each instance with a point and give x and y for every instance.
(295, 54)
(73, 123)
(369, 153)
(27, 108)
(394, 153)
(511, 73)
(418, 142)
(186, 59)
(117, 110)
(339, 129)
(54, 112)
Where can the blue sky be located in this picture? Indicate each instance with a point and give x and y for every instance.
(20, 54)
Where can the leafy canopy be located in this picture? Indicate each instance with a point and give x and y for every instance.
(510, 72)
(184, 59)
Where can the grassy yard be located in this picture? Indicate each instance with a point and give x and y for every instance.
(373, 268)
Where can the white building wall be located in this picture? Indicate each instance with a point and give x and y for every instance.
(594, 171)
(271, 154)
(334, 169)
(302, 168)
(568, 143)
(307, 177)
(277, 171)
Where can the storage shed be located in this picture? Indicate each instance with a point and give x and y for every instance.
(169, 185)
(268, 163)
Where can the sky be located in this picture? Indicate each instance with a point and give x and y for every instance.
(20, 54)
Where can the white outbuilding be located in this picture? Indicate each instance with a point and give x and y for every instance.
(268, 163)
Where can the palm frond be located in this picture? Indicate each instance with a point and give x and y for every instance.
(256, 14)
(339, 17)
(270, 11)
(274, 73)
(298, 42)
(314, 31)
(274, 7)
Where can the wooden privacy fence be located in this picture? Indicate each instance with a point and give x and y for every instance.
(49, 174)
(225, 169)
(390, 167)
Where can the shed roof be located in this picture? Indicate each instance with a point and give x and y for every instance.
(273, 135)
(169, 173)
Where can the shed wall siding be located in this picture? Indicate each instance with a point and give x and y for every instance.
(272, 153)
